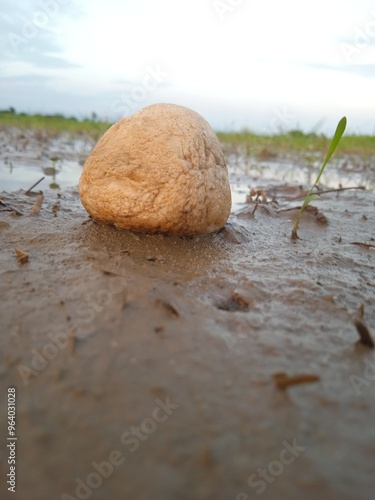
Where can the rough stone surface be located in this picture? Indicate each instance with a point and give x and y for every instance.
(160, 170)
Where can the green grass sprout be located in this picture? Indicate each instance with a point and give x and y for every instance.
(340, 129)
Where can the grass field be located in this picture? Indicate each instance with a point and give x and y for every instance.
(263, 146)
(53, 124)
(295, 141)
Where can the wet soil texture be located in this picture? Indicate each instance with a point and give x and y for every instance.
(221, 367)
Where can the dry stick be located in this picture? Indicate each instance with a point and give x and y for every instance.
(337, 190)
(362, 188)
(268, 209)
(359, 243)
(34, 185)
(289, 209)
(10, 208)
(282, 380)
(38, 204)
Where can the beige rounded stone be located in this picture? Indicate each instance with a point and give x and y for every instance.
(160, 170)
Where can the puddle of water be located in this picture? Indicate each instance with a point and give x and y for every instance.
(246, 174)
(24, 174)
(21, 166)
(26, 156)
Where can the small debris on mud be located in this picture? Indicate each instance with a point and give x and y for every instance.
(151, 258)
(364, 333)
(168, 307)
(283, 381)
(244, 296)
(22, 256)
(360, 244)
(236, 303)
(312, 210)
(34, 185)
(38, 204)
(256, 195)
(9, 208)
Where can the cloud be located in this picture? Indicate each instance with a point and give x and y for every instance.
(30, 32)
(94, 56)
(365, 70)
(32, 95)
(26, 80)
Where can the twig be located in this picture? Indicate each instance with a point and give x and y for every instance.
(309, 208)
(10, 208)
(34, 185)
(38, 204)
(363, 188)
(282, 380)
(360, 244)
(255, 208)
(337, 190)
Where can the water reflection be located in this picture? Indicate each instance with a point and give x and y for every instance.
(59, 159)
(23, 174)
(294, 171)
(52, 172)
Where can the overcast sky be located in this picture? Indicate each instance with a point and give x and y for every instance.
(259, 64)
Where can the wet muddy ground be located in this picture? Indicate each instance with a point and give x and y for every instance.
(148, 367)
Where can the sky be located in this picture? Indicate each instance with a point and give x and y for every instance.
(264, 65)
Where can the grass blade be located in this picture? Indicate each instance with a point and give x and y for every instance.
(340, 129)
(309, 198)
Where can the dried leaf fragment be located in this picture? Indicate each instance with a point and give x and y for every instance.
(38, 204)
(22, 256)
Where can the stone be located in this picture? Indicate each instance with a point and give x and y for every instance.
(160, 170)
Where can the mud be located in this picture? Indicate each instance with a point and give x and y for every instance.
(161, 356)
